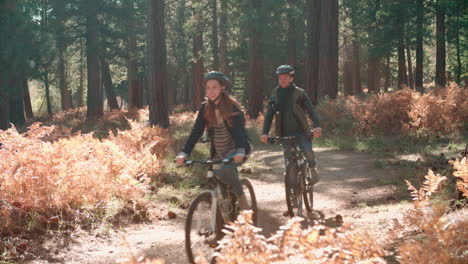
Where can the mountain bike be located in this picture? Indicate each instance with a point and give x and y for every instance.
(211, 210)
(304, 189)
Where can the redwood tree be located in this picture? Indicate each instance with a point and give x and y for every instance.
(328, 49)
(198, 64)
(255, 82)
(159, 110)
(135, 89)
(214, 33)
(65, 94)
(94, 99)
(223, 37)
(440, 44)
(312, 54)
(418, 80)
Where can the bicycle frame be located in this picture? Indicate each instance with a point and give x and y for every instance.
(214, 188)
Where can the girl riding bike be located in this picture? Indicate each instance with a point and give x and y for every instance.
(224, 120)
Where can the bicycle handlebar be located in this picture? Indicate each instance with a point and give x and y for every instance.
(207, 162)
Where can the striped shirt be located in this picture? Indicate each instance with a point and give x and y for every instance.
(223, 141)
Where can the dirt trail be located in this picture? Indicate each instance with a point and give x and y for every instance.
(350, 187)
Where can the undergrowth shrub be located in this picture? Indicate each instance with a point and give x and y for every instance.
(441, 112)
(48, 171)
(292, 244)
(434, 232)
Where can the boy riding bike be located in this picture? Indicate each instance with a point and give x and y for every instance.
(289, 106)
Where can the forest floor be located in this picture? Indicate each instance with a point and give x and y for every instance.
(352, 187)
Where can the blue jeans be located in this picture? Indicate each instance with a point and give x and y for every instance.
(305, 144)
(230, 176)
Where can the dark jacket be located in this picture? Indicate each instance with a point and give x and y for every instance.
(237, 131)
(299, 105)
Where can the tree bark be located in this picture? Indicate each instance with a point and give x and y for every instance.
(410, 66)
(356, 69)
(292, 21)
(159, 110)
(135, 91)
(47, 90)
(214, 43)
(328, 49)
(108, 85)
(457, 39)
(347, 76)
(373, 65)
(198, 65)
(223, 28)
(419, 45)
(4, 103)
(402, 77)
(387, 74)
(65, 95)
(27, 99)
(79, 93)
(312, 59)
(440, 45)
(94, 99)
(255, 81)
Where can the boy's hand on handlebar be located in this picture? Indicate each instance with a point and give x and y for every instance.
(317, 132)
(264, 138)
(180, 158)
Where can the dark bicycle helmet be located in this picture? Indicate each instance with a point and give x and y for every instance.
(285, 69)
(215, 75)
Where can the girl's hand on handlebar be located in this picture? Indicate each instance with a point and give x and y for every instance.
(238, 158)
(264, 138)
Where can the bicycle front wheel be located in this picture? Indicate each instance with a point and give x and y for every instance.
(251, 199)
(203, 229)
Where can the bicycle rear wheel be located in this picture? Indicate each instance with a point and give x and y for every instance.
(201, 234)
(308, 194)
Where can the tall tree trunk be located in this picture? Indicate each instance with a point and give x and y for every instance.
(94, 99)
(27, 99)
(65, 95)
(419, 45)
(135, 90)
(4, 102)
(45, 65)
(108, 85)
(402, 77)
(79, 93)
(356, 68)
(387, 73)
(347, 76)
(47, 91)
(292, 25)
(440, 44)
(312, 59)
(181, 54)
(198, 65)
(410, 66)
(255, 82)
(223, 28)
(373, 79)
(159, 111)
(328, 49)
(214, 32)
(15, 84)
(457, 39)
